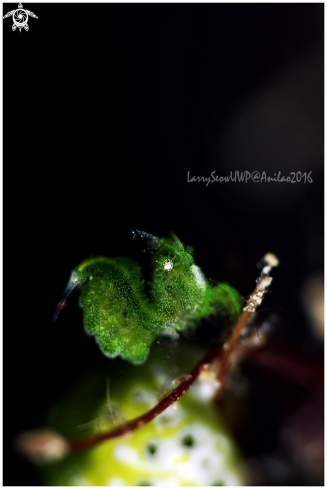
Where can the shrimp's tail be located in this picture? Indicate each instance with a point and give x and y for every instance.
(73, 285)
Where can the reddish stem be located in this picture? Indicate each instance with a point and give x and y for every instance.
(213, 355)
(171, 398)
(229, 345)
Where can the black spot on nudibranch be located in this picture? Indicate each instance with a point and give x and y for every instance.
(188, 441)
(151, 448)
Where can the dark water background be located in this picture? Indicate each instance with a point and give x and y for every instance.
(107, 107)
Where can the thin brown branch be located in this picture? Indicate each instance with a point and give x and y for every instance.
(171, 398)
(228, 346)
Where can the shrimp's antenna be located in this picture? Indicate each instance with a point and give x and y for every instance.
(150, 239)
(142, 234)
(73, 285)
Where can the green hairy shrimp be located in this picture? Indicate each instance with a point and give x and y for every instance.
(125, 319)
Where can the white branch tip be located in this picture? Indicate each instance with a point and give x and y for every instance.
(264, 283)
(271, 260)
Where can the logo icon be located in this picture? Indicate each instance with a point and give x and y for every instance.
(20, 17)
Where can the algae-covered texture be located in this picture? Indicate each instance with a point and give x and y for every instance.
(126, 314)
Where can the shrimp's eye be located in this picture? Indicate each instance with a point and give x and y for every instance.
(168, 265)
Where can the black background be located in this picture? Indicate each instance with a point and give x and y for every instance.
(106, 109)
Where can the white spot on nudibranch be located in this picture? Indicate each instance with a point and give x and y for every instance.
(116, 481)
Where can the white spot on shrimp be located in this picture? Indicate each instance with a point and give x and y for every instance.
(199, 277)
(168, 265)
